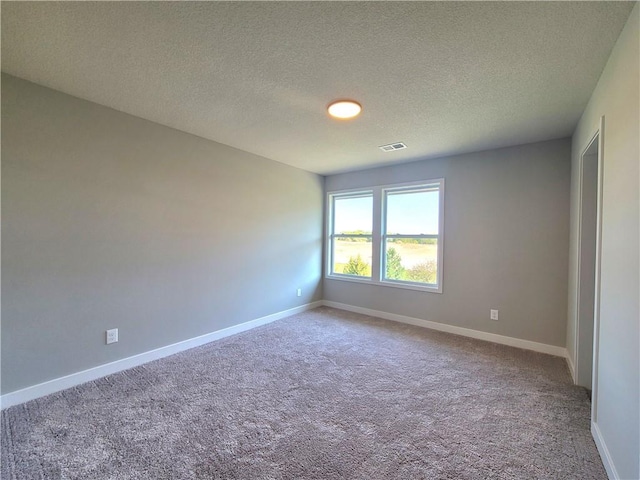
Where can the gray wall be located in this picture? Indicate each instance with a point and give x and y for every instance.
(113, 221)
(506, 234)
(618, 397)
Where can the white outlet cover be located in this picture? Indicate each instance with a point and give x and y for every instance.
(494, 314)
(112, 336)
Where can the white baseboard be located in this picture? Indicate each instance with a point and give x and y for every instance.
(466, 332)
(572, 369)
(68, 381)
(604, 452)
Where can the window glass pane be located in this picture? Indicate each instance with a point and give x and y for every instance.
(352, 256)
(413, 213)
(412, 260)
(353, 215)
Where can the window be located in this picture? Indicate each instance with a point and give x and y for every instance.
(389, 235)
(351, 234)
(410, 234)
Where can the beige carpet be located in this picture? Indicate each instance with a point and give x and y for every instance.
(325, 394)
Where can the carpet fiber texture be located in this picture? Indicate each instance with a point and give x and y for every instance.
(325, 394)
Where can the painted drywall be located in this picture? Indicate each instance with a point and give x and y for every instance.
(617, 400)
(506, 234)
(111, 221)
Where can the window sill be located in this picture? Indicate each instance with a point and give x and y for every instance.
(344, 278)
(409, 286)
(370, 281)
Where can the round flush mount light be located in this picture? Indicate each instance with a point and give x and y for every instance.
(344, 109)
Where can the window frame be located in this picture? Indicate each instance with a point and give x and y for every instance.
(379, 217)
(331, 199)
(413, 187)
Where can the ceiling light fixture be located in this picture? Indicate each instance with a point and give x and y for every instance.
(344, 109)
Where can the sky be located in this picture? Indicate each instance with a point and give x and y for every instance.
(407, 213)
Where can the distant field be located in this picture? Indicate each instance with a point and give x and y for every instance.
(412, 254)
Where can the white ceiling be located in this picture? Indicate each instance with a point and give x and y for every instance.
(443, 77)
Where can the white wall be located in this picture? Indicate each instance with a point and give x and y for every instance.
(506, 238)
(111, 221)
(617, 412)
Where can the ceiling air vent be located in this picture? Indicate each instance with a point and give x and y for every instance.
(392, 147)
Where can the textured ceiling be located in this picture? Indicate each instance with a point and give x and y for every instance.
(443, 77)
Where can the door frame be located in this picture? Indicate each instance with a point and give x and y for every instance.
(598, 136)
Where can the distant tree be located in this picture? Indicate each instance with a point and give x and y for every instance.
(357, 266)
(355, 239)
(416, 241)
(395, 270)
(424, 272)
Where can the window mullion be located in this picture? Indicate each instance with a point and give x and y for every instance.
(376, 260)
(332, 222)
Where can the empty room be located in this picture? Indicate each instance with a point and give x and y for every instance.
(320, 240)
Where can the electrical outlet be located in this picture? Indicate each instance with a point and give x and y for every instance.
(299, 292)
(494, 314)
(112, 336)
